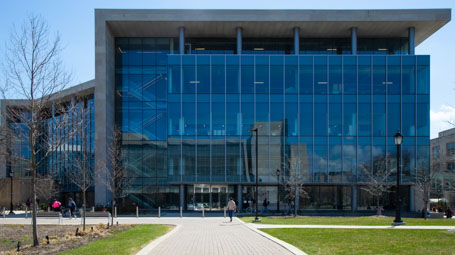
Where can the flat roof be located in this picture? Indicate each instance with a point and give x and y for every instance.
(273, 23)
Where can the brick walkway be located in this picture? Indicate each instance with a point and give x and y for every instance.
(216, 236)
(196, 235)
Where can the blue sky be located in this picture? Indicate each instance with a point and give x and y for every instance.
(74, 20)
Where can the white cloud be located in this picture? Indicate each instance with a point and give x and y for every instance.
(439, 119)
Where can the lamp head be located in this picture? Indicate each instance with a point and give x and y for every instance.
(398, 138)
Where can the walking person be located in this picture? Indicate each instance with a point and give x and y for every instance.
(265, 208)
(290, 207)
(72, 206)
(232, 207)
(56, 205)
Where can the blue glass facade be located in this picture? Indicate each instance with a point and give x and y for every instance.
(185, 119)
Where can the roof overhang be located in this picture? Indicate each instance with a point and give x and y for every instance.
(273, 23)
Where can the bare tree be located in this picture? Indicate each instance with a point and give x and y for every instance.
(81, 173)
(294, 182)
(46, 187)
(116, 179)
(377, 181)
(34, 74)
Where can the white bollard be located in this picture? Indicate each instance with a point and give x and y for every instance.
(48, 209)
(115, 212)
(181, 212)
(137, 211)
(59, 219)
(203, 212)
(159, 211)
(26, 212)
(225, 212)
(108, 218)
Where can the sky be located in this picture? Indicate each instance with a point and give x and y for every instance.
(74, 20)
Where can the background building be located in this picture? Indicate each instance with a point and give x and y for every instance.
(443, 165)
(327, 90)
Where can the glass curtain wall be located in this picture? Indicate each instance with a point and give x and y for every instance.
(327, 118)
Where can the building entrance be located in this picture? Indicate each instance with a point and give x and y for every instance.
(211, 197)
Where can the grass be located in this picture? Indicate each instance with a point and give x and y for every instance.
(367, 221)
(368, 241)
(126, 242)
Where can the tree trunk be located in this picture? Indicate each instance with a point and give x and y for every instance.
(295, 202)
(112, 208)
(34, 206)
(378, 212)
(83, 209)
(425, 210)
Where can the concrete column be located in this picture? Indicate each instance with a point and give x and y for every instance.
(296, 40)
(354, 40)
(181, 40)
(354, 198)
(182, 196)
(239, 41)
(239, 197)
(412, 44)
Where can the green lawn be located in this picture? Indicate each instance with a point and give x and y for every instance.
(368, 241)
(126, 242)
(368, 220)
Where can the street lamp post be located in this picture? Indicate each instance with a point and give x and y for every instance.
(398, 139)
(11, 175)
(256, 219)
(278, 190)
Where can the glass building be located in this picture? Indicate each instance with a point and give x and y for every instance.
(327, 93)
(326, 89)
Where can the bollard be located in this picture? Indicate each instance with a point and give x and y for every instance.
(48, 209)
(181, 214)
(93, 209)
(115, 212)
(225, 212)
(159, 211)
(203, 212)
(137, 211)
(26, 212)
(59, 218)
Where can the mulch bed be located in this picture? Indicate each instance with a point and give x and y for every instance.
(62, 237)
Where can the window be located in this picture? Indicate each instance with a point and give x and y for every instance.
(436, 151)
(450, 149)
(451, 165)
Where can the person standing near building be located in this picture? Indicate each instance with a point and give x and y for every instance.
(232, 207)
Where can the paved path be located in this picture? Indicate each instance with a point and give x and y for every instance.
(262, 226)
(195, 235)
(216, 236)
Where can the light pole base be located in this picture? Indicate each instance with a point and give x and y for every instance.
(398, 223)
(257, 220)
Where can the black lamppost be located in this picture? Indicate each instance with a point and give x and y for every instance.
(256, 219)
(398, 139)
(278, 190)
(11, 175)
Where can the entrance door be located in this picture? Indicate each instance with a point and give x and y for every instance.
(211, 197)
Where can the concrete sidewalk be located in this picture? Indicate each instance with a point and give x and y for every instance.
(264, 226)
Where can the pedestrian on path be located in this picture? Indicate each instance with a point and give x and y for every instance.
(72, 206)
(265, 206)
(232, 207)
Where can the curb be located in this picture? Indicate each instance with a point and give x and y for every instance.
(149, 247)
(287, 246)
